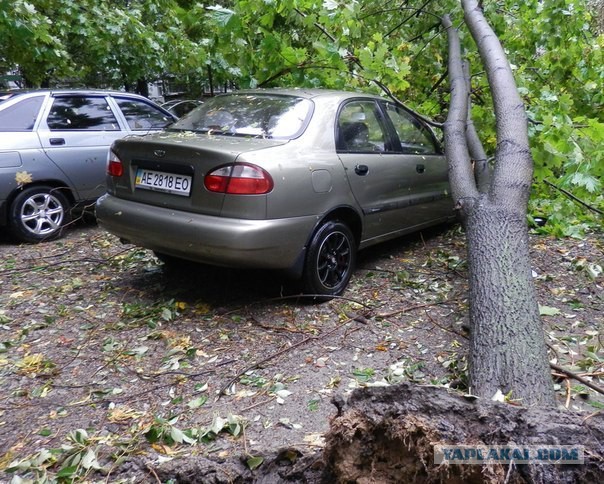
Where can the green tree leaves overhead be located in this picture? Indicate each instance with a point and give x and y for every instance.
(28, 40)
(560, 71)
(103, 43)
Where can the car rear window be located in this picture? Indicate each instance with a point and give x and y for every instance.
(256, 115)
(81, 113)
(22, 115)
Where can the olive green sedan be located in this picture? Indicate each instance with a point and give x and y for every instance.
(295, 180)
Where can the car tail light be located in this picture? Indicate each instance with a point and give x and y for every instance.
(114, 165)
(239, 179)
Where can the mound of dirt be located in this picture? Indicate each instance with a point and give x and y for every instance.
(388, 435)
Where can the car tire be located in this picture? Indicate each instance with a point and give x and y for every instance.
(38, 214)
(330, 261)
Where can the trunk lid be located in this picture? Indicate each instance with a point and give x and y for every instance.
(167, 170)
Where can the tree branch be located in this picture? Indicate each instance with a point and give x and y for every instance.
(461, 177)
(382, 86)
(417, 12)
(572, 197)
(510, 183)
(387, 91)
(482, 172)
(409, 17)
(441, 79)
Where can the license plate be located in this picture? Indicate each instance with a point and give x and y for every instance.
(163, 182)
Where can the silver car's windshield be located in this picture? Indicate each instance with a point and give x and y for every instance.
(257, 115)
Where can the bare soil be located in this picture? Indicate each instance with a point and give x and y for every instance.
(197, 374)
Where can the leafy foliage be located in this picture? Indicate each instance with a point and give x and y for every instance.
(107, 43)
(559, 63)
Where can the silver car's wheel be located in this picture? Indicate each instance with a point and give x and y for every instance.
(330, 260)
(38, 214)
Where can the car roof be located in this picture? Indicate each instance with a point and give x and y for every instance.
(308, 93)
(76, 91)
(8, 93)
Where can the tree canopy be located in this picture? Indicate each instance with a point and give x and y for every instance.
(553, 45)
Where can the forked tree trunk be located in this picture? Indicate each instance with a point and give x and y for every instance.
(507, 346)
(507, 349)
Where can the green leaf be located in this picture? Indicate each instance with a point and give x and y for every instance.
(89, 460)
(197, 402)
(235, 424)
(153, 435)
(19, 465)
(79, 436)
(313, 405)
(218, 424)
(254, 462)
(293, 56)
(67, 471)
(221, 15)
(43, 456)
(177, 435)
(363, 374)
(548, 311)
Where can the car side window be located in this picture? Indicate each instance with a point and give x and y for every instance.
(22, 115)
(142, 116)
(414, 137)
(81, 113)
(359, 130)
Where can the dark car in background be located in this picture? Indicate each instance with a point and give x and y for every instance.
(53, 152)
(295, 180)
(180, 107)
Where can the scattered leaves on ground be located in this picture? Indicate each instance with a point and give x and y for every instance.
(108, 356)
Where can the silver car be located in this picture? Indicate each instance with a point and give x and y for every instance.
(53, 153)
(295, 180)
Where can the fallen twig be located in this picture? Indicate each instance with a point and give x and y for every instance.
(150, 469)
(444, 328)
(270, 327)
(568, 390)
(412, 308)
(264, 360)
(280, 353)
(257, 404)
(580, 379)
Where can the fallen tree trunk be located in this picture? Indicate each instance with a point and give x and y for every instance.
(389, 434)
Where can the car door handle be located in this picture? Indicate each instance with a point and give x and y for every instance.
(420, 168)
(57, 141)
(361, 170)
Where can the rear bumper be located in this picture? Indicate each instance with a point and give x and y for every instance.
(268, 244)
